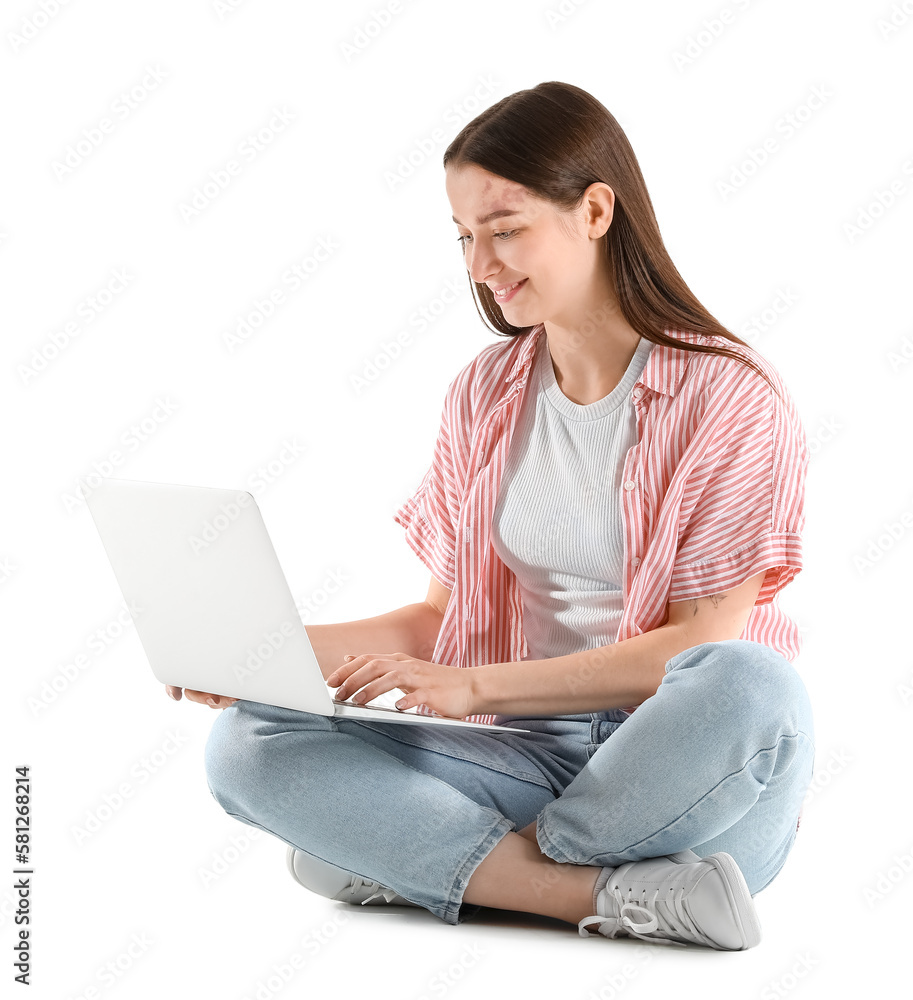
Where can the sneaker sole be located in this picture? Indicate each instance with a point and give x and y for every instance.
(290, 864)
(739, 898)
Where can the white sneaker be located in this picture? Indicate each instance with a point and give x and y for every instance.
(336, 883)
(677, 899)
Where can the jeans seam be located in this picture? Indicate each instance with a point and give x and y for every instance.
(533, 777)
(543, 817)
(710, 791)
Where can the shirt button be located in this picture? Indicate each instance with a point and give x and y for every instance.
(638, 393)
(635, 561)
(629, 484)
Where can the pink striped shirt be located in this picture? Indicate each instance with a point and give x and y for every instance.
(713, 493)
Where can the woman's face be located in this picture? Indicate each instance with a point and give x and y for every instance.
(557, 258)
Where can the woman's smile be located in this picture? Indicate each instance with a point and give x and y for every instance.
(506, 294)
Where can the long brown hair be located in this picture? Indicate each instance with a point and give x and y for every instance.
(556, 139)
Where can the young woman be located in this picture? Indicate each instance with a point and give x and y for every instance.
(614, 501)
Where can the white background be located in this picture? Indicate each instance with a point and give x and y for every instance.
(696, 91)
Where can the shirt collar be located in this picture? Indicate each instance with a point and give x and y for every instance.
(663, 372)
(525, 349)
(666, 366)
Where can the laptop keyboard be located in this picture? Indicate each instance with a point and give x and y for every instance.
(376, 708)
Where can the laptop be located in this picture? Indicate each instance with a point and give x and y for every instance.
(211, 605)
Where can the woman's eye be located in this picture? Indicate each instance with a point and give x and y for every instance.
(507, 232)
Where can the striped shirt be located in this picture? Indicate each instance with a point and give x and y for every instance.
(557, 521)
(712, 494)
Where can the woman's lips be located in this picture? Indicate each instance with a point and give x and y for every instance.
(511, 292)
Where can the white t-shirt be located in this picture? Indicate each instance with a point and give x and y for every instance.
(557, 523)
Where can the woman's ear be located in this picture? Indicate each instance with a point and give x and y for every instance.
(599, 200)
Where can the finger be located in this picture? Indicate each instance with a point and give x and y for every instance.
(381, 685)
(173, 692)
(203, 697)
(363, 669)
(352, 663)
(409, 701)
(220, 701)
(403, 673)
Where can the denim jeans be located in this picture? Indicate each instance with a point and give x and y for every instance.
(718, 759)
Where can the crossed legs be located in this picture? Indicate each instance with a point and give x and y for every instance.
(717, 760)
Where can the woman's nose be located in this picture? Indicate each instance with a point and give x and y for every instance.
(481, 263)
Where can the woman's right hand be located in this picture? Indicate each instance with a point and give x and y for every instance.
(212, 700)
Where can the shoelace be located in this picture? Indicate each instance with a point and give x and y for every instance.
(658, 924)
(379, 890)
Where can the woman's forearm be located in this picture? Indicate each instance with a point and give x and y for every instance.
(412, 629)
(619, 675)
(615, 676)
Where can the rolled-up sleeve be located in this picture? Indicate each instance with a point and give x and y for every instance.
(430, 531)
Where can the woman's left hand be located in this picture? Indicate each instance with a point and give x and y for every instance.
(444, 689)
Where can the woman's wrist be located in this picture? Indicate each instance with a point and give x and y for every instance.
(618, 675)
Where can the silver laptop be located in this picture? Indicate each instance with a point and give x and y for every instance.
(210, 602)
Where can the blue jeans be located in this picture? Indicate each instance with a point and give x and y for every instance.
(718, 759)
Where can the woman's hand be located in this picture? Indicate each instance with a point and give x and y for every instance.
(445, 690)
(212, 700)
